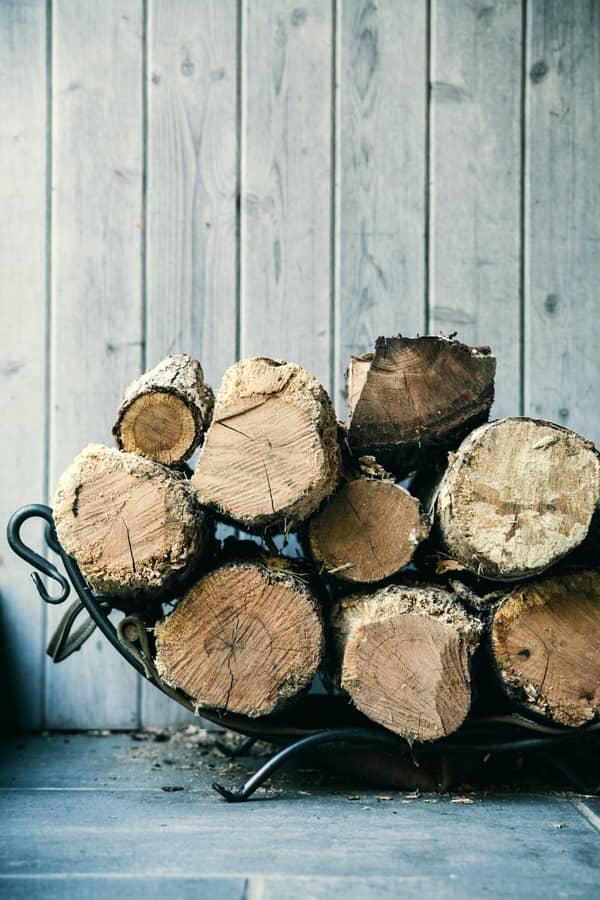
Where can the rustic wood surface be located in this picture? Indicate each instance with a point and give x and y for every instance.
(284, 178)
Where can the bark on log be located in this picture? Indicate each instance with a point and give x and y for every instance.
(165, 412)
(131, 525)
(518, 495)
(415, 397)
(367, 530)
(271, 454)
(545, 640)
(403, 654)
(246, 638)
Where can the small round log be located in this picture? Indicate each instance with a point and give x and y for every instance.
(367, 530)
(132, 526)
(165, 412)
(404, 655)
(271, 454)
(246, 638)
(518, 495)
(545, 642)
(414, 398)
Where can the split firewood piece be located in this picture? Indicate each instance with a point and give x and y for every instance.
(165, 413)
(131, 525)
(246, 638)
(367, 530)
(518, 495)
(271, 454)
(415, 397)
(404, 655)
(545, 640)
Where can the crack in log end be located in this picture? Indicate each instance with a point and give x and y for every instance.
(129, 543)
(269, 486)
(75, 504)
(231, 428)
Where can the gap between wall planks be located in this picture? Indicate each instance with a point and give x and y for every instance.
(357, 190)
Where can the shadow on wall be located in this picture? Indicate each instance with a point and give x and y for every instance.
(9, 717)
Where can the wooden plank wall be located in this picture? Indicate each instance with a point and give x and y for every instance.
(286, 178)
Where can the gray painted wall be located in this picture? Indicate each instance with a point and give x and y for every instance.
(279, 178)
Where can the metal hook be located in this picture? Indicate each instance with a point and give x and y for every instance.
(13, 535)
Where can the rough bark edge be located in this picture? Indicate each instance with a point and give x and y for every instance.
(302, 389)
(181, 376)
(441, 503)
(184, 557)
(403, 457)
(276, 571)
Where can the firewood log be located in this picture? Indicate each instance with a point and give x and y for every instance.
(367, 530)
(404, 654)
(518, 495)
(246, 638)
(416, 397)
(271, 454)
(165, 412)
(545, 643)
(131, 525)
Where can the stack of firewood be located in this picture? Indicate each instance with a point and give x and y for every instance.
(397, 585)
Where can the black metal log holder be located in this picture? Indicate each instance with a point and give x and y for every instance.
(314, 724)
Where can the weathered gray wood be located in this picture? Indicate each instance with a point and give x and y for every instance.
(381, 155)
(191, 250)
(475, 181)
(562, 227)
(286, 182)
(22, 340)
(96, 288)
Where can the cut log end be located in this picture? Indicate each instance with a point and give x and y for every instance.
(271, 454)
(164, 413)
(404, 656)
(517, 497)
(367, 530)
(131, 525)
(545, 639)
(415, 397)
(244, 639)
(161, 426)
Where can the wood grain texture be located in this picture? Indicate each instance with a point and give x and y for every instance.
(22, 340)
(96, 288)
(562, 228)
(380, 149)
(192, 185)
(475, 181)
(286, 182)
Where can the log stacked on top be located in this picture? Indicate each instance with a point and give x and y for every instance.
(397, 588)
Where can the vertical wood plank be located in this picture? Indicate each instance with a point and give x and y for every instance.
(381, 152)
(22, 342)
(191, 253)
(475, 181)
(96, 287)
(286, 182)
(562, 227)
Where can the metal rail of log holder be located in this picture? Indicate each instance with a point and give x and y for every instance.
(315, 723)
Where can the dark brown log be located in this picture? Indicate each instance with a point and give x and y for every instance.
(403, 654)
(414, 398)
(246, 638)
(367, 530)
(545, 642)
(133, 526)
(271, 454)
(518, 495)
(165, 413)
